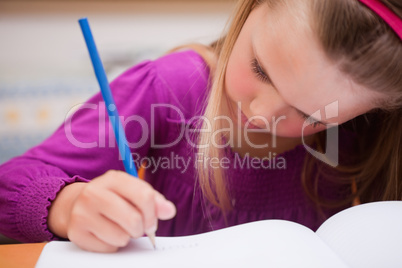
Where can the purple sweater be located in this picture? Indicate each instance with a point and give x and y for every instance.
(157, 101)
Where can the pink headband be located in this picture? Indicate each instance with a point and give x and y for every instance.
(386, 14)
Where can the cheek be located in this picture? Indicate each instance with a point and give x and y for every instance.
(240, 82)
(237, 84)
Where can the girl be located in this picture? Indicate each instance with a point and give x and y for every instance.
(227, 132)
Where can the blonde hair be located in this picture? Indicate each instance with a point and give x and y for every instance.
(212, 180)
(369, 53)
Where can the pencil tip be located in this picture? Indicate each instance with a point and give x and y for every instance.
(151, 237)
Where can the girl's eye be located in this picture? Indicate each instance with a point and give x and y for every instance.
(311, 121)
(259, 72)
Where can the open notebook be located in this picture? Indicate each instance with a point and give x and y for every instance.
(368, 235)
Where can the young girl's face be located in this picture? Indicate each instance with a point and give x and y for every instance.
(280, 75)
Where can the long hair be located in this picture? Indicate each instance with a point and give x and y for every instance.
(212, 180)
(369, 53)
(367, 50)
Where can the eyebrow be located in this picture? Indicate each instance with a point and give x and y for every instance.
(273, 84)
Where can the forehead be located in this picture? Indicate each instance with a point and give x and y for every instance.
(297, 65)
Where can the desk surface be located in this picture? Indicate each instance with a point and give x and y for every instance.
(20, 255)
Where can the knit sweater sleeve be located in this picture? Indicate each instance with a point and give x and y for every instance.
(82, 148)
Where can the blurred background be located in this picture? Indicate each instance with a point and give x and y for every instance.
(45, 68)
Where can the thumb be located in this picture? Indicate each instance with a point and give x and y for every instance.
(165, 210)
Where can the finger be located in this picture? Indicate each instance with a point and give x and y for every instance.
(109, 232)
(121, 212)
(87, 241)
(146, 204)
(165, 209)
(138, 193)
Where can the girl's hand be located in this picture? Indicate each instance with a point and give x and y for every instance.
(104, 214)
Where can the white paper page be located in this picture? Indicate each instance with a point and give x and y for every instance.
(368, 235)
(271, 243)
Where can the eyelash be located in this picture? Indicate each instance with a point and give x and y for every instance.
(257, 70)
(310, 120)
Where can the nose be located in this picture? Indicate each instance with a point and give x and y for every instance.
(268, 106)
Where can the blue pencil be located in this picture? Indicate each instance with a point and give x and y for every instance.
(121, 140)
(110, 105)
